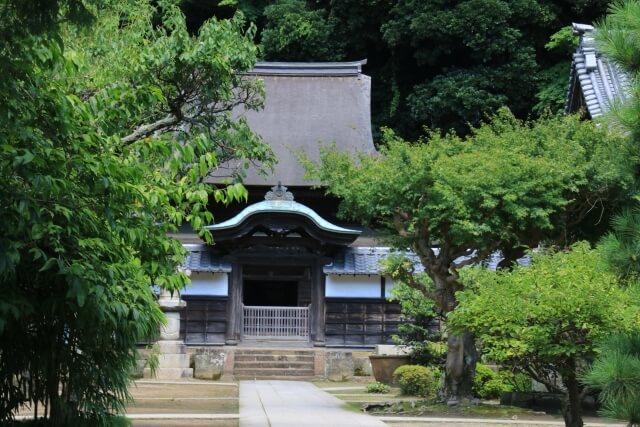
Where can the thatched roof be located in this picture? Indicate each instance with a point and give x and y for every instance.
(308, 104)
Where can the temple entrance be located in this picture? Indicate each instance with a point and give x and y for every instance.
(278, 248)
(275, 302)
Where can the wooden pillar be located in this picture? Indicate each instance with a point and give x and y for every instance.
(234, 305)
(317, 304)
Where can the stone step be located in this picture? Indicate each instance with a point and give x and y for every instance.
(279, 364)
(273, 358)
(264, 351)
(273, 377)
(274, 363)
(173, 360)
(171, 347)
(268, 372)
(169, 373)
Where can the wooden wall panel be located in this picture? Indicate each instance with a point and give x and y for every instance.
(204, 320)
(360, 322)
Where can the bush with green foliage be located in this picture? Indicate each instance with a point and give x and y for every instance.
(490, 384)
(378, 387)
(418, 380)
(487, 383)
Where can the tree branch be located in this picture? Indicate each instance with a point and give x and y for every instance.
(542, 379)
(146, 130)
(398, 218)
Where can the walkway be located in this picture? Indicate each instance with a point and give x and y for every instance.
(295, 403)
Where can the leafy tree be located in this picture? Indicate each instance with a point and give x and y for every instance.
(296, 33)
(544, 320)
(552, 85)
(477, 53)
(106, 140)
(455, 201)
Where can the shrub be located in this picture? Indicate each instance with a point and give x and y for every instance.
(378, 387)
(489, 384)
(418, 380)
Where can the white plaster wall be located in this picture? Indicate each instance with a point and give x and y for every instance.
(389, 284)
(352, 286)
(214, 284)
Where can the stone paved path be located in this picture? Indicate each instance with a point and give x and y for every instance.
(293, 404)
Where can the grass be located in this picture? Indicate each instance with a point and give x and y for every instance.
(354, 382)
(160, 390)
(415, 407)
(184, 407)
(188, 398)
(186, 423)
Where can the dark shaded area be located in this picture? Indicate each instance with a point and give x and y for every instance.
(325, 206)
(283, 293)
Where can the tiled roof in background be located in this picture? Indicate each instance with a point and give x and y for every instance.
(366, 260)
(600, 80)
(353, 261)
(363, 260)
(200, 259)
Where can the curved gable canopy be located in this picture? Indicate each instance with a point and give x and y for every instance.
(280, 221)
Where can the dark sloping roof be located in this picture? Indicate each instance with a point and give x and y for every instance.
(307, 105)
(352, 261)
(201, 259)
(367, 260)
(599, 81)
(364, 260)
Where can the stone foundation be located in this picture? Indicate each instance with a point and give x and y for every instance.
(208, 363)
(211, 363)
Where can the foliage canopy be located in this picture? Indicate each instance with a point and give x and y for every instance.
(107, 137)
(546, 319)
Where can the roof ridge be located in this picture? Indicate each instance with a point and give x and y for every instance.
(309, 69)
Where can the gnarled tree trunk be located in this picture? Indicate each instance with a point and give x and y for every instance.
(460, 367)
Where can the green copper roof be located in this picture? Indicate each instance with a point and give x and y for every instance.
(279, 200)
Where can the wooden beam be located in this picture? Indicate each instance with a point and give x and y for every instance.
(234, 307)
(317, 303)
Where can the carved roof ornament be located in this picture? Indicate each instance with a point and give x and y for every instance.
(279, 192)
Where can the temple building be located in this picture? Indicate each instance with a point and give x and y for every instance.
(595, 83)
(283, 267)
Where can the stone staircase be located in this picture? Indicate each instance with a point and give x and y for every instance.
(173, 362)
(262, 363)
